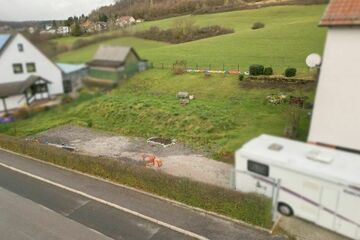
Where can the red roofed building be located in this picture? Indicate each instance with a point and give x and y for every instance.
(336, 115)
(342, 13)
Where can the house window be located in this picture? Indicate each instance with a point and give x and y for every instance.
(18, 68)
(30, 67)
(20, 47)
(258, 168)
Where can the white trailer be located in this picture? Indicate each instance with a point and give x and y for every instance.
(319, 184)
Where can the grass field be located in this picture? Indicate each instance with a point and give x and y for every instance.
(291, 33)
(221, 118)
(86, 53)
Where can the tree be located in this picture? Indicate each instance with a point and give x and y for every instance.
(76, 29)
(103, 18)
(69, 22)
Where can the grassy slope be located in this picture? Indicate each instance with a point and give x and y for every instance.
(291, 33)
(86, 53)
(220, 120)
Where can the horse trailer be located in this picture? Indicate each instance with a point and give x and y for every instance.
(319, 184)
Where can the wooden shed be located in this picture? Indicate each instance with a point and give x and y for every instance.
(115, 63)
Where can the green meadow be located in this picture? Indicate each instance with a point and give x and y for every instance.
(290, 34)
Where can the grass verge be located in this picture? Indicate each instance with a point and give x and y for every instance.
(250, 208)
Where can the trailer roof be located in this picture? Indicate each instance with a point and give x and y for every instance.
(332, 164)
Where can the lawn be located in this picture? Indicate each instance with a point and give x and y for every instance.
(290, 34)
(222, 117)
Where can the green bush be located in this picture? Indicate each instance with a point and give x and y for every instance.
(290, 72)
(256, 70)
(252, 208)
(268, 71)
(257, 25)
(241, 76)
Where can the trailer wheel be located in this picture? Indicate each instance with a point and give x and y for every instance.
(285, 209)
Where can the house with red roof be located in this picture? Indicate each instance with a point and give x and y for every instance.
(336, 115)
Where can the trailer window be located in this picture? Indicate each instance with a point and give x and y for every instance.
(258, 168)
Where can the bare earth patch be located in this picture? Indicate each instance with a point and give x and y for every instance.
(178, 160)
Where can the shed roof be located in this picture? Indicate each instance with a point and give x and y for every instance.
(17, 88)
(71, 68)
(112, 53)
(344, 167)
(342, 13)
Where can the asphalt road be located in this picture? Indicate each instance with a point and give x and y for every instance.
(31, 207)
(27, 194)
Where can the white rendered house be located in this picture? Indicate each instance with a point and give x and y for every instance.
(336, 116)
(26, 74)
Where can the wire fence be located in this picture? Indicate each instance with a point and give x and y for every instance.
(214, 68)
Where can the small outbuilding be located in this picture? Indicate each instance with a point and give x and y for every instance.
(73, 75)
(115, 63)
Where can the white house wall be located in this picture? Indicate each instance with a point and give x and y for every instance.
(13, 102)
(336, 116)
(44, 67)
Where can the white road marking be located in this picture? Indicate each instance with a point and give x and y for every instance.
(150, 219)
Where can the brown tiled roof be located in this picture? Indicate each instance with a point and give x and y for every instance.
(342, 13)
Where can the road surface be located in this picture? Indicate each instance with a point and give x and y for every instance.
(40, 201)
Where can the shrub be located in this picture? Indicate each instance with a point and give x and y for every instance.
(241, 76)
(290, 72)
(256, 70)
(179, 67)
(66, 99)
(22, 113)
(257, 25)
(268, 71)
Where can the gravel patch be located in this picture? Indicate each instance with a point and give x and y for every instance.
(178, 159)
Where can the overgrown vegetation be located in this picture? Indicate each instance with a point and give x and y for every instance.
(183, 31)
(222, 117)
(251, 208)
(179, 67)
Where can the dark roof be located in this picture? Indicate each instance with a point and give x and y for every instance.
(17, 88)
(342, 13)
(111, 56)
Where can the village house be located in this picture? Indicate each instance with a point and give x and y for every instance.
(100, 26)
(27, 75)
(63, 30)
(125, 21)
(336, 116)
(115, 63)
